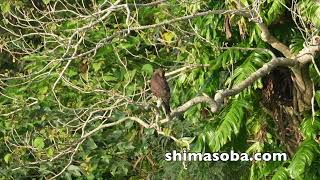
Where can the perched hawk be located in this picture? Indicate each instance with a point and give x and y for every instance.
(160, 88)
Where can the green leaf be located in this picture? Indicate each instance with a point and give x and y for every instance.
(74, 170)
(275, 10)
(317, 96)
(50, 152)
(303, 158)
(185, 141)
(90, 144)
(109, 78)
(230, 126)
(281, 174)
(147, 68)
(46, 1)
(38, 143)
(43, 90)
(97, 66)
(71, 72)
(119, 167)
(7, 158)
(5, 7)
(310, 127)
(106, 158)
(149, 131)
(168, 36)
(199, 143)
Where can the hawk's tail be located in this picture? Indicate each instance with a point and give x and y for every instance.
(167, 107)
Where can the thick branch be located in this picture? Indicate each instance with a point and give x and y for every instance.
(275, 43)
(217, 102)
(265, 69)
(302, 81)
(308, 53)
(199, 99)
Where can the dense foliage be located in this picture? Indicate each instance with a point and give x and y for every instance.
(75, 99)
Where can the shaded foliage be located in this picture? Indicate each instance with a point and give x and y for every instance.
(56, 92)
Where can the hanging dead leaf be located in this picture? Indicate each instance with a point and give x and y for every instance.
(227, 27)
(242, 28)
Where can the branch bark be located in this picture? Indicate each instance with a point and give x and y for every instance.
(275, 43)
(216, 102)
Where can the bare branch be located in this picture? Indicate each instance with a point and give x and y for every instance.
(275, 43)
(217, 102)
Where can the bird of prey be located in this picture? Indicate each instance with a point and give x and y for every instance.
(160, 88)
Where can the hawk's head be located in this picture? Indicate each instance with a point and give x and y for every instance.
(160, 72)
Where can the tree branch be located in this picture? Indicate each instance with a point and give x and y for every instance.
(217, 102)
(275, 43)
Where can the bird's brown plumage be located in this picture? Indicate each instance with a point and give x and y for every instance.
(160, 88)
